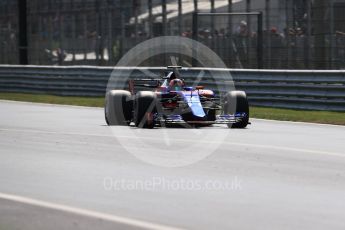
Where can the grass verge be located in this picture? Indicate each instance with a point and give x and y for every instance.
(323, 117)
(52, 99)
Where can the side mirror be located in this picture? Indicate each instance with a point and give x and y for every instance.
(199, 87)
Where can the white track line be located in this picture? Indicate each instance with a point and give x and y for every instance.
(262, 146)
(83, 212)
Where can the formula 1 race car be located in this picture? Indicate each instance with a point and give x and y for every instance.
(172, 102)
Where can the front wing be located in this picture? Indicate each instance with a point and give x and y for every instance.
(220, 119)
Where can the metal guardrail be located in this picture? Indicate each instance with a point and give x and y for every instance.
(314, 90)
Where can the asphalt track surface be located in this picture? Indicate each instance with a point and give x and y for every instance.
(59, 166)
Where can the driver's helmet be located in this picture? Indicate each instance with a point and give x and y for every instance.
(172, 75)
(176, 84)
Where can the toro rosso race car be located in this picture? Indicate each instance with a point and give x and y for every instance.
(172, 102)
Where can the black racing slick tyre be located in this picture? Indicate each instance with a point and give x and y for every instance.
(145, 107)
(237, 102)
(118, 107)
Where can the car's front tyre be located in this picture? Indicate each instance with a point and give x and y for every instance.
(118, 108)
(236, 102)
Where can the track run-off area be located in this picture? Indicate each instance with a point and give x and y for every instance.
(62, 167)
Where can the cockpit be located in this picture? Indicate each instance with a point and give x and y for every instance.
(172, 82)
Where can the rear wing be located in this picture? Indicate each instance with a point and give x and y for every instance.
(141, 83)
(151, 83)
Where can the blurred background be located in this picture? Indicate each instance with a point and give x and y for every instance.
(292, 34)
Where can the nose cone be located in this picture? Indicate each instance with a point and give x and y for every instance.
(194, 104)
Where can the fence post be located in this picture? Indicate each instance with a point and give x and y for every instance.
(164, 17)
(180, 17)
(149, 3)
(23, 39)
(230, 17)
(213, 26)
(74, 28)
(307, 44)
(260, 42)
(249, 27)
(319, 30)
(195, 38)
(332, 35)
(268, 28)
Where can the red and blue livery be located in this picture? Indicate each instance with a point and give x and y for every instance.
(172, 102)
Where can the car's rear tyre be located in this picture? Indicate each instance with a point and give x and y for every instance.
(118, 107)
(145, 108)
(237, 102)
